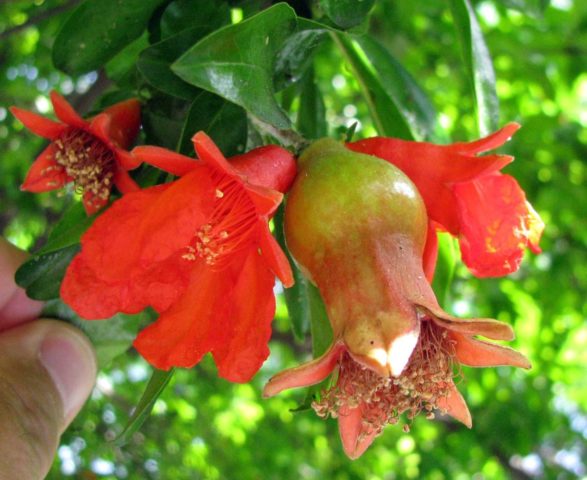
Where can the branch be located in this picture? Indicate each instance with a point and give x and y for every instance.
(39, 18)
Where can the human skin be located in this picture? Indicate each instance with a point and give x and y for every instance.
(47, 371)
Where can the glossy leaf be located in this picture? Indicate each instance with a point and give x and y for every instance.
(236, 62)
(157, 383)
(154, 63)
(311, 121)
(41, 275)
(68, 231)
(445, 268)
(347, 13)
(224, 122)
(110, 338)
(180, 15)
(97, 30)
(478, 64)
(398, 106)
(295, 56)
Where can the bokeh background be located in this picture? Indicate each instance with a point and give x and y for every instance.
(526, 424)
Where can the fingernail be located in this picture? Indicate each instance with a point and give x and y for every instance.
(71, 363)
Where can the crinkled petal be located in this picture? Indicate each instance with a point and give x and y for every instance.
(487, 327)
(113, 244)
(309, 373)
(269, 166)
(353, 433)
(241, 346)
(125, 122)
(39, 125)
(496, 225)
(476, 353)
(273, 255)
(166, 160)
(66, 113)
(45, 174)
(182, 335)
(455, 406)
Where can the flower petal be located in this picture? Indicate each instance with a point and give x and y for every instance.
(209, 153)
(487, 327)
(240, 348)
(188, 330)
(66, 113)
(45, 174)
(125, 122)
(166, 160)
(126, 159)
(309, 373)
(455, 406)
(355, 438)
(124, 182)
(490, 142)
(273, 255)
(39, 125)
(496, 224)
(265, 200)
(93, 203)
(476, 353)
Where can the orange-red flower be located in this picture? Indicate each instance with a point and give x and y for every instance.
(199, 251)
(357, 226)
(466, 195)
(89, 153)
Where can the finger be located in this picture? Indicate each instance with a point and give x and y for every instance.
(47, 370)
(15, 307)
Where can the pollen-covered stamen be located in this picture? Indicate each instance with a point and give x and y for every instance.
(230, 224)
(88, 161)
(423, 384)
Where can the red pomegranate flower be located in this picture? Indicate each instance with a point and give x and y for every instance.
(89, 153)
(357, 227)
(466, 195)
(199, 251)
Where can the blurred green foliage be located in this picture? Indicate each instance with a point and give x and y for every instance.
(526, 424)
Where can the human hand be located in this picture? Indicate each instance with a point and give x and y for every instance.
(47, 370)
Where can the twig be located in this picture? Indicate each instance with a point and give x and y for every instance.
(39, 18)
(288, 138)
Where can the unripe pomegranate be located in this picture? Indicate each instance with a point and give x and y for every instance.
(353, 222)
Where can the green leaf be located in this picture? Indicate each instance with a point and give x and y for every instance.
(295, 56)
(347, 13)
(398, 106)
(163, 119)
(198, 14)
(236, 62)
(68, 231)
(155, 63)
(97, 30)
(224, 122)
(41, 275)
(311, 122)
(445, 268)
(479, 65)
(157, 383)
(296, 297)
(111, 337)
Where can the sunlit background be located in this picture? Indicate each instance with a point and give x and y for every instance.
(526, 424)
